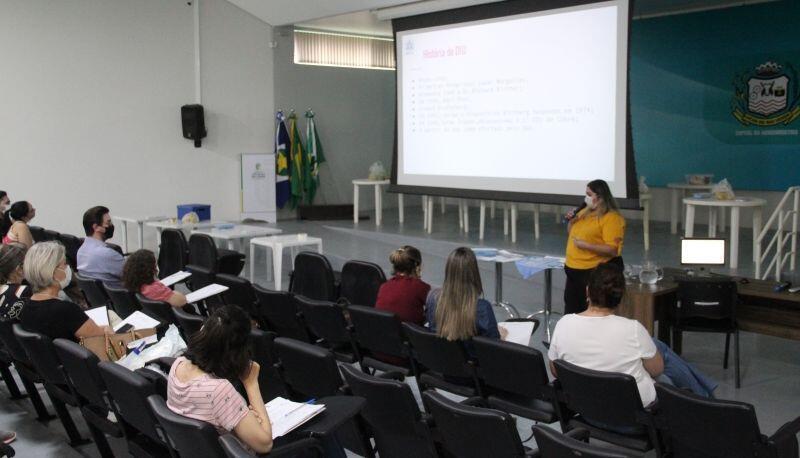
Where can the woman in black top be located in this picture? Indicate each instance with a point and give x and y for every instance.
(12, 291)
(47, 273)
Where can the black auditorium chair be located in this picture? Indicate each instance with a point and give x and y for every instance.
(42, 354)
(313, 277)
(122, 301)
(381, 341)
(278, 311)
(37, 233)
(360, 282)
(303, 448)
(515, 379)
(188, 437)
(173, 252)
(554, 444)
(71, 245)
(605, 398)
(25, 369)
(326, 320)
(468, 431)
(80, 367)
(188, 323)
(240, 292)
(204, 252)
(707, 304)
(263, 346)
(158, 310)
(51, 236)
(441, 363)
(695, 426)
(5, 371)
(129, 392)
(392, 415)
(93, 290)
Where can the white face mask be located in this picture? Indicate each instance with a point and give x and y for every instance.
(589, 202)
(67, 277)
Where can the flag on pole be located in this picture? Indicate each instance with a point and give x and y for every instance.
(282, 148)
(314, 157)
(296, 169)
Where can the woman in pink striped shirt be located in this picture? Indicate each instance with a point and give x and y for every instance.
(199, 385)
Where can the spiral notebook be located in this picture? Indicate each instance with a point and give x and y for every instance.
(285, 415)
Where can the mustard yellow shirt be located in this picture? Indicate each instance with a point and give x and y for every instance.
(608, 229)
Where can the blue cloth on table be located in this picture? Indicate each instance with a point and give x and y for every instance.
(532, 265)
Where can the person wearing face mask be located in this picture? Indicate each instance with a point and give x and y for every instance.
(96, 259)
(14, 226)
(47, 273)
(595, 236)
(12, 291)
(5, 201)
(140, 275)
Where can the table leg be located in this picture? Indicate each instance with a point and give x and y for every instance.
(277, 261)
(492, 206)
(441, 202)
(465, 204)
(673, 209)
(424, 212)
(536, 221)
(505, 219)
(319, 247)
(548, 301)
(482, 220)
(721, 219)
(460, 215)
(140, 227)
(712, 222)
(734, 237)
(646, 223)
(125, 235)
(231, 245)
(355, 204)
(268, 255)
(158, 240)
(400, 207)
(378, 205)
(430, 215)
(252, 261)
(757, 222)
(498, 283)
(513, 223)
(689, 221)
(557, 212)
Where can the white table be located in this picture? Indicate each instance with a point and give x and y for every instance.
(139, 227)
(644, 201)
(679, 191)
(735, 205)
(241, 232)
(276, 244)
(378, 197)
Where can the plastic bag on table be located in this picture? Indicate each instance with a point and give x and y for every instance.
(190, 218)
(171, 345)
(723, 190)
(377, 171)
(643, 188)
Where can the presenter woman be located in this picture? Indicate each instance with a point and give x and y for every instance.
(595, 232)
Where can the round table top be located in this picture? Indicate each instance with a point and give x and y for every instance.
(371, 182)
(645, 196)
(690, 186)
(737, 202)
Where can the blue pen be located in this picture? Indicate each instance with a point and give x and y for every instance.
(141, 346)
(311, 401)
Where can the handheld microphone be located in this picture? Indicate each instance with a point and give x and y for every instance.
(573, 213)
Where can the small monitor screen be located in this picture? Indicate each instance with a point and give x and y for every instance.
(703, 251)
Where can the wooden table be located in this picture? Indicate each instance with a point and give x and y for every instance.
(759, 310)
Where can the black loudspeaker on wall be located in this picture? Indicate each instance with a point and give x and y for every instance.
(194, 126)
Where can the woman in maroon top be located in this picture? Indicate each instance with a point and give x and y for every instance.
(404, 294)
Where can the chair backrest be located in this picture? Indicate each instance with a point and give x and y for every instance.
(122, 301)
(308, 370)
(188, 323)
(173, 253)
(37, 233)
(159, 310)
(93, 289)
(189, 437)
(240, 292)
(202, 277)
(129, 392)
(552, 443)
(11, 344)
(80, 366)
(50, 235)
(360, 282)
(437, 353)
(468, 431)
(699, 426)
(71, 245)
(706, 297)
(278, 310)
(392, 415)
(512, 368)
(378, 331)
(324, 319)
(313, 277)
(606, 397)
(203, 252)
(42, 354)
(263, 345)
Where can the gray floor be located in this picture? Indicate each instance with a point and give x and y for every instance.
(770, 366)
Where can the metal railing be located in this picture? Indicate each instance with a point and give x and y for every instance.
(785, 219)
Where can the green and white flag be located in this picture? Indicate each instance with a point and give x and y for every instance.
(314, 157)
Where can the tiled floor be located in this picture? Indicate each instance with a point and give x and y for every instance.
(770, 366)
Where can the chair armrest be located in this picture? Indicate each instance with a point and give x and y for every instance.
(785, 439)
(580, 434)
(294, 448)
(475, 401)
(426, 418)
(393, 375)
(533, 453)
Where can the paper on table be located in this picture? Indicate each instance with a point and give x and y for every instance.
(138, 320)
(99, 315)
(147, 341)
(175, 278)
(285, 415)
(205, 292)
(519, 332)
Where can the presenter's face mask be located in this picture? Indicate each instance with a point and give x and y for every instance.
(590, 202)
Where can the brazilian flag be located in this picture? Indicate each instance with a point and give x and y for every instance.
(282, 147)
(314, 157)
(296, 169)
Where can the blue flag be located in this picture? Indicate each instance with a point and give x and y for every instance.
(283, 189)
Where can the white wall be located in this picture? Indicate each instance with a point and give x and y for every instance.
(91, 94)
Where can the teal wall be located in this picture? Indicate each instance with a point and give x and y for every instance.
(682, 73)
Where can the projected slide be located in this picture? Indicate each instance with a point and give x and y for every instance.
(534, 103)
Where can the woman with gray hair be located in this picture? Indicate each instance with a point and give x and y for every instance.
(11, 288)
(47, 273)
